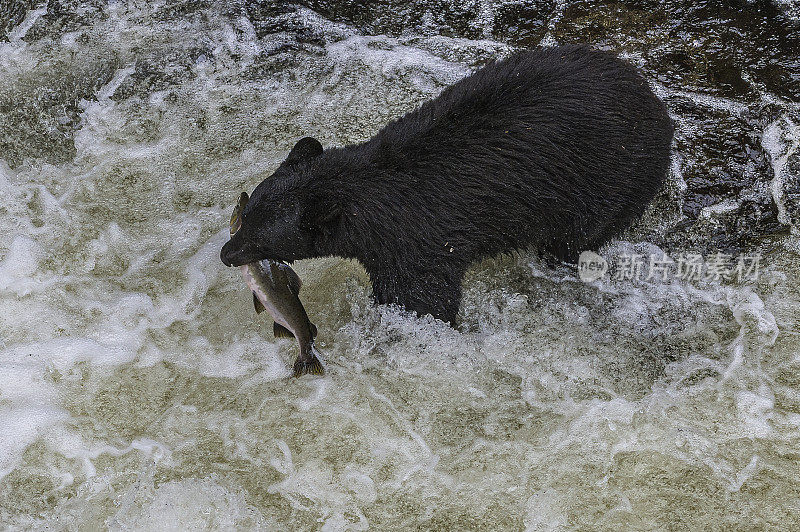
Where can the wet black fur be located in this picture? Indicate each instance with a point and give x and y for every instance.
(557, 148)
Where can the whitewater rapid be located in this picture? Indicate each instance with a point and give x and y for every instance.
(139, 390)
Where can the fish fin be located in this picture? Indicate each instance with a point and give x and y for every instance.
(313, 330)
(257, 303)
(294, 280)
(313, 366)
(280, 331)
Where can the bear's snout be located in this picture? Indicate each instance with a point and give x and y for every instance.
(234, 254)
(238, 251)
(225, 254)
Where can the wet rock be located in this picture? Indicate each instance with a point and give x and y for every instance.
(158, 70)
(522, 24)
(726, 50)
(182, 9)
(287, 39)
(65, 16)
(609, 24)
(727, 203)
(393, 17)
(739, 44)
(730, 52)
(40, 110)
(12, 13)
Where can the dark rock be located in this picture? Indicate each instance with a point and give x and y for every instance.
(12, 13)
(65, 16)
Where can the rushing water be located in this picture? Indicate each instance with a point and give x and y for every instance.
(139, 390)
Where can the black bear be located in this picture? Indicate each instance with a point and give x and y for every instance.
(556, 148)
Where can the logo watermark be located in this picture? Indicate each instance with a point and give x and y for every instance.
(715, 267)
(591, 266)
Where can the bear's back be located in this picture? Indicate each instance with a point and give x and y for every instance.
(534, 95)
(563, 141)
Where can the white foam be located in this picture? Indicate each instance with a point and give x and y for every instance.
(755, 411)
(18, 33)
(19, 265)
(22, 425)
(781, 140)
(543, 512)
(790, 7)
(190, 504)
(398, 61)
(107, 91)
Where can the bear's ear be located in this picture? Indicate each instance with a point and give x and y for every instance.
(305, 148)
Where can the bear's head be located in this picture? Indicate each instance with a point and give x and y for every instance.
(286, 219)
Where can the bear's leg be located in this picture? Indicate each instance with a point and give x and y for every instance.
(618, 225)
(434, 292)
(563, 251)
(438, 298)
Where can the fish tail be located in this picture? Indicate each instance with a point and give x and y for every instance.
(310, 363)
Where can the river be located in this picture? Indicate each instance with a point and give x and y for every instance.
(140, 391)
